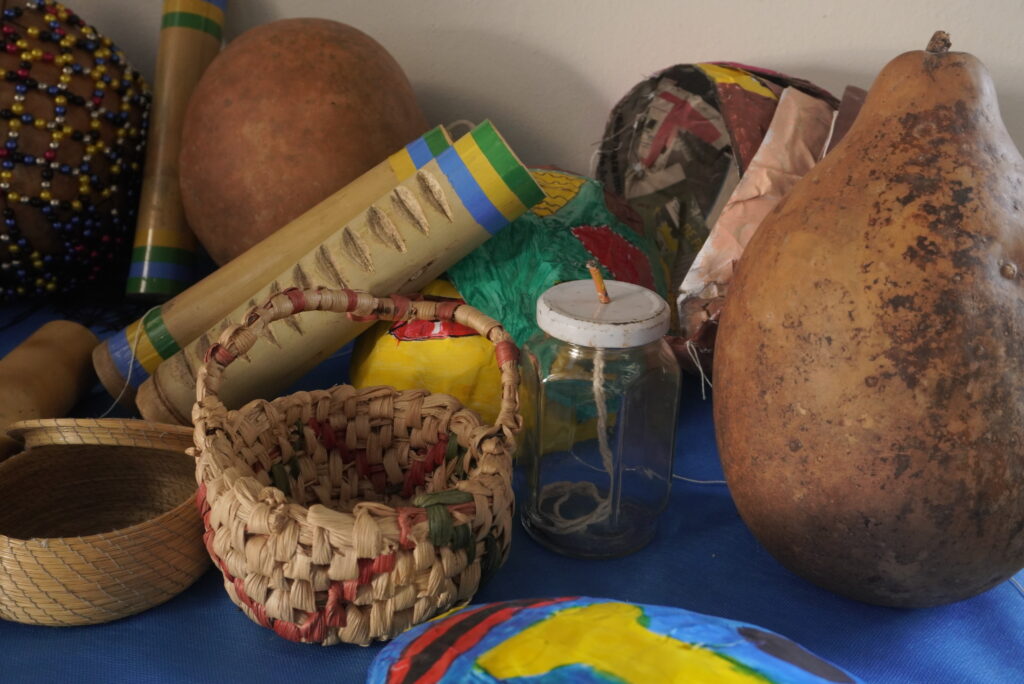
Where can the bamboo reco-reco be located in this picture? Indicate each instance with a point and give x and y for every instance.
(44, 376)
(125, 360)
(190, 37)
(403, 240)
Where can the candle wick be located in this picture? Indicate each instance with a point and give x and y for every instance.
(595, 273)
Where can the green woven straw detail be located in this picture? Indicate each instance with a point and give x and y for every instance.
(492, 558)
(439, 525)
(448, 497)
(453, 449)
(462, 538)
(470, 545)
(279, 476)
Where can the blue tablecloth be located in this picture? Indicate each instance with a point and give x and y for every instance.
(702, 559)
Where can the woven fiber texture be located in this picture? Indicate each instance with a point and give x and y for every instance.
(347, 515)
(97, 521)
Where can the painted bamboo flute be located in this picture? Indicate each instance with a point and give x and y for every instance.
(162, 259)
(124, 360)
(399, 243)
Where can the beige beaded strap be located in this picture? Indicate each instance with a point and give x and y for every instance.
(350, 515)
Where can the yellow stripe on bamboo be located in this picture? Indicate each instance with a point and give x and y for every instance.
(165, 238)
(145, 353)
(203, 9)
(402, 164)
(497, 191)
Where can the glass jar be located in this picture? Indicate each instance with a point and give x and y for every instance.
(600, 396)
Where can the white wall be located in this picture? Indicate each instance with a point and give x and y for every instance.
(548, 71)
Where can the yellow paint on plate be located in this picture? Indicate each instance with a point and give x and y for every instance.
(610, 639)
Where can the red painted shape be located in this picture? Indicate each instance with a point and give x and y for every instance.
(626, 262)
(683, 116)
(417, 331)
(399, 670)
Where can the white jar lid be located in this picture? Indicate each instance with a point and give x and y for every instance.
(571, 312)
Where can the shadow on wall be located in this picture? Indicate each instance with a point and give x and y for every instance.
(528, 94)
(478, 74)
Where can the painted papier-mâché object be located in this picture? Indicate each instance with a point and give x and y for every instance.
(579, 639)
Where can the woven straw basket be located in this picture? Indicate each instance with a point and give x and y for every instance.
(97, 521)
(351, 515)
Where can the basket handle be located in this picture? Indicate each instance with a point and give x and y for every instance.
(362, 306)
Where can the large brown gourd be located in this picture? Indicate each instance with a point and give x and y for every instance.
(289, 113)
(869, 372)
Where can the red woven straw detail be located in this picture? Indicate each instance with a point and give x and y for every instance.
(260, 614)
(346, 455)
(334, 611)
(446, 310)
(383, 563)
(413, 478)
(418, 469)
(437, 452)
(362, 319)
(242, 595)
(506, 351)
(365, 570)
(219, 353)
(288, 630)
(224, 356)
(349, 589)
(402, 306)
(312, 629)
(329, 439)
(351, 299)
(201, 502)
(379, 478)
(297, 297)
(407, 517)
(257, 608)
(208, 543)
(324, 432)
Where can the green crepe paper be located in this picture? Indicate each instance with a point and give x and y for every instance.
(507, 274)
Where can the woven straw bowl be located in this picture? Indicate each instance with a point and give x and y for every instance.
(97, 521)
(347, 515)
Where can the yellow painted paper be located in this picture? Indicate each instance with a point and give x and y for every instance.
(723, 74)
(609, 638)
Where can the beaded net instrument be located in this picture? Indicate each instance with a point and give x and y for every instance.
(73, 119)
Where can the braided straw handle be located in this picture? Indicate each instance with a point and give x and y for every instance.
(362, 306)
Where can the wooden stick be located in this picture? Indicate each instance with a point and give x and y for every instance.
(595, 273)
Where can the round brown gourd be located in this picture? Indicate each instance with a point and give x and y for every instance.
(289, 113)
(869, 370)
